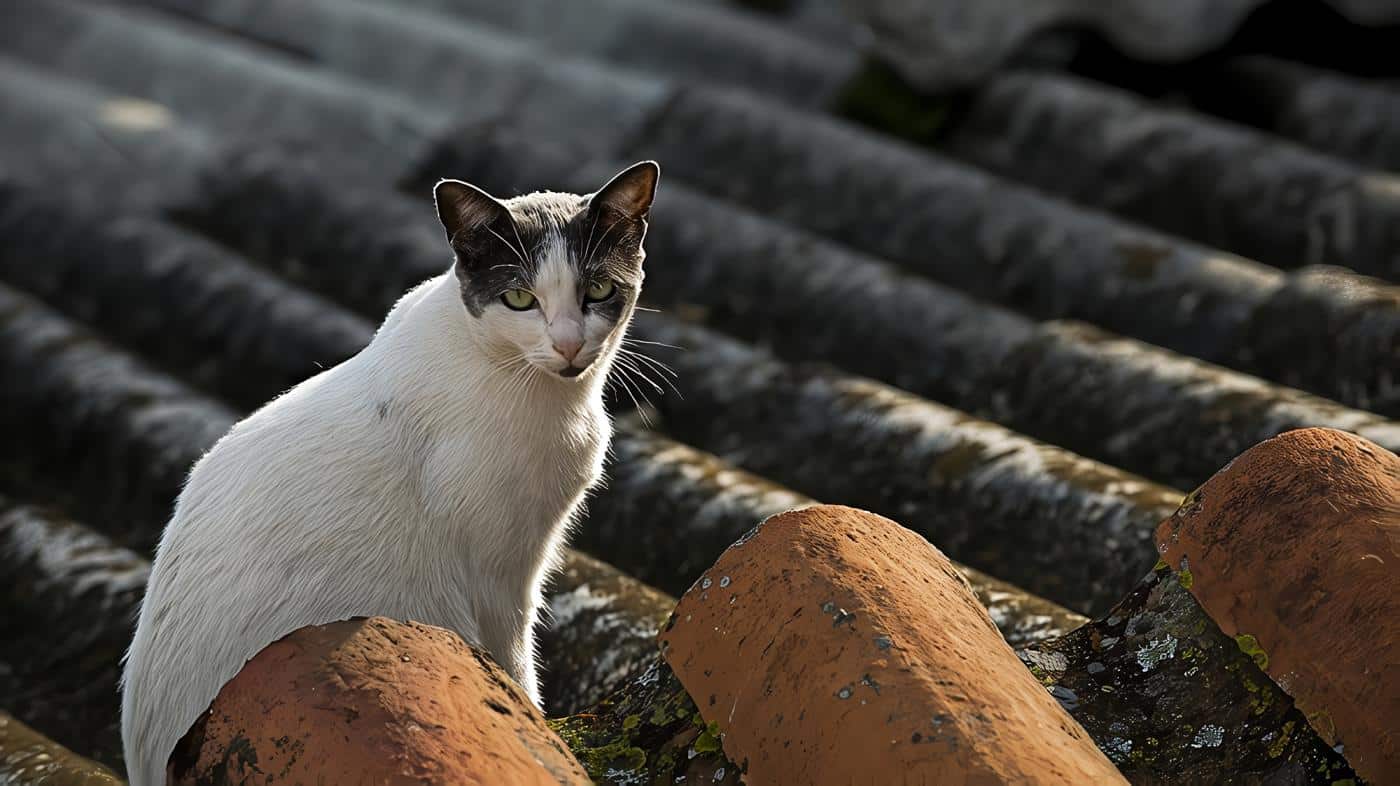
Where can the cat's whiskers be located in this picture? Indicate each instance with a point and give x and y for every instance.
(630, 376)
(630, 340)
(638, 374)
(632, 390)
(641, 362)
(651, 362)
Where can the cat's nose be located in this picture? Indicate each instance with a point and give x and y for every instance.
(568, 348)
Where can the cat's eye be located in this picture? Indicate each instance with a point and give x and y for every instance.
(518, 299)
(599, 290)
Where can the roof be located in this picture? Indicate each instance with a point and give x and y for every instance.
(1020, 319)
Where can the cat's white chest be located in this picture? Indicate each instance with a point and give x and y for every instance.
(496, 498)
(507, 487)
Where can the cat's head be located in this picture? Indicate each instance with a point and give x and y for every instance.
(550, 279)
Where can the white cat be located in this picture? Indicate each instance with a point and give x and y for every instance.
(431, 477)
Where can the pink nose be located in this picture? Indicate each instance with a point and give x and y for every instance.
(568, 348)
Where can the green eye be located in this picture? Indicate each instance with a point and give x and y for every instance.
(518, 299)
(599, 290)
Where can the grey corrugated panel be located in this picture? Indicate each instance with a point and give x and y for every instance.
(1147, 285)
(70, 597)
(998, 241)
(690, 40)
(1144, 284)
(1348, 116)
(250, 93)
(429, 67)
(57, 130)
(137, 277)
(946, 43)
(1217, 182)
(1329, 324)
(705, 118)
(73, 408)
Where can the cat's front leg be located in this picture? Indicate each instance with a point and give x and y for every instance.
(525, 671)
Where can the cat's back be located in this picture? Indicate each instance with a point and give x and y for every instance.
(322, 439)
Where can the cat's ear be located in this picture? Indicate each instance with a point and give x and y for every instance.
(462, 208)
(630, 192)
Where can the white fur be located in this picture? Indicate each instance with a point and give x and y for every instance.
(449, 509)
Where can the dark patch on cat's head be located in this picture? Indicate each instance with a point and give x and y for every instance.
(483, 236)
(498, 245)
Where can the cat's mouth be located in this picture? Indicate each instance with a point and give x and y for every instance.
(569, 372)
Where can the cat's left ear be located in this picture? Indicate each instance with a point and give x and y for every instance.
(629, 194)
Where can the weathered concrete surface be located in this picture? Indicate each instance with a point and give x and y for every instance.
(1219, 183)
(372, 700)
(28, 758)
(70, 597)
(830, 631)
(1294, 550)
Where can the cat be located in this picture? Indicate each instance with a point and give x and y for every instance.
(432, 477)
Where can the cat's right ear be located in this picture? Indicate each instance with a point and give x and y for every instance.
(463, 208)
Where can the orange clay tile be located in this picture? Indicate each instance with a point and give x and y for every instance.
(372, 701)
(1294, 549)
(834, 646)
